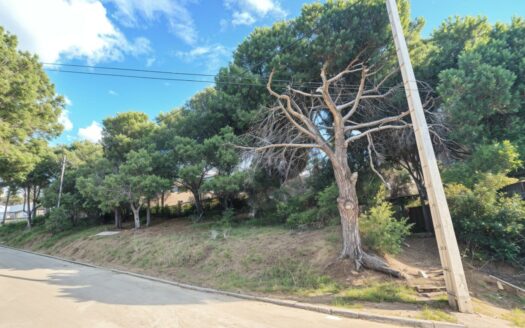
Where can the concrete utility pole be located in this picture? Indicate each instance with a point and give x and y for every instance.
(458, 295)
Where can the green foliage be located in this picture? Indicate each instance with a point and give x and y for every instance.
(125, 132)
(381, 231)
(296, 210)
(134, 183)
(327, 210)
(29, 109)
(497, 158)
(309, 209)
(488, 222)
(58, 220)
(478, 99)
(482, 93)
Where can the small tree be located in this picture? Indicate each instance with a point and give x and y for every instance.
(297, 121)
(135, 183)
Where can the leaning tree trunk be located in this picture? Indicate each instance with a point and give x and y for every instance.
(6, 205)
(136, 216)
(348, 206)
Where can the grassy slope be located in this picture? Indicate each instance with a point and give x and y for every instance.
(263, 260)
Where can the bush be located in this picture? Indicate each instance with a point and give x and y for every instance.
(381, 231)
(327, 204)
(309, 209)
(498, 158)
(303, 219)
(488, 222)
(58, 220)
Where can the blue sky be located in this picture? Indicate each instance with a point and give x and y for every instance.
(170, 35)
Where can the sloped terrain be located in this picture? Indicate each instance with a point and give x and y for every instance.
(279, 262)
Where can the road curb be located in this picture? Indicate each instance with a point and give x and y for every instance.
(293, 304)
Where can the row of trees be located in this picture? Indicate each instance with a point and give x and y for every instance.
(319, 93)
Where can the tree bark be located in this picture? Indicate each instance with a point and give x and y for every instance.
(36, 195)
(198, 204)
(29, 210)
(348, 206)
(162, 200)
(118, 218)
(136, 215)
(6, 204)
(148, 213)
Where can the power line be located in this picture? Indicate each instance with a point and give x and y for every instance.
(129, 69)
(149, 77)
(343, 87)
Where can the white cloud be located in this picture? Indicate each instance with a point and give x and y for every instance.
(67, 101)
(92, 133)
(150, 61)
(133, 13)
(242, 18)
(65, 120)
(69, 29)
(246, 12)
(112, 93)
(211, 57)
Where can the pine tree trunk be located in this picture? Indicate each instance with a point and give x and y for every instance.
(29, 210)
(118, 218)
(348, 206)
(36, 195)
(136, 215)
(198, 204)
(6, 205)
(148, 214)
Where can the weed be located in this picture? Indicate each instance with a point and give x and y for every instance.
(517, 317)
(380, 292)
(428, 313)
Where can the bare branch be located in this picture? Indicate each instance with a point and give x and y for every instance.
(372, 166)
(377, 129)
(283, 145)
(354, 103)
(390, 119)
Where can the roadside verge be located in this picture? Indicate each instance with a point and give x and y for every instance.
(294, 304)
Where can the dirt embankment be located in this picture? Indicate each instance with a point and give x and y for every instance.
(279, 262)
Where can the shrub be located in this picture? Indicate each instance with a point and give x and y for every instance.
(381, 231)
(488, 222)
(309, 209)
(327, 204)
(58, 220)
(303, 218)
(498, 158)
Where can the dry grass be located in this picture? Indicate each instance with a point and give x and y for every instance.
(262, 260)
(517, 317)
(436, 315)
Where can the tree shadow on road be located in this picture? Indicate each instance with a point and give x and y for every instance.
(84, 284)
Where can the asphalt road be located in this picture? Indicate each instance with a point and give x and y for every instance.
(37, 291)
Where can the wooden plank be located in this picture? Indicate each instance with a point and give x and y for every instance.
(507, 286)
